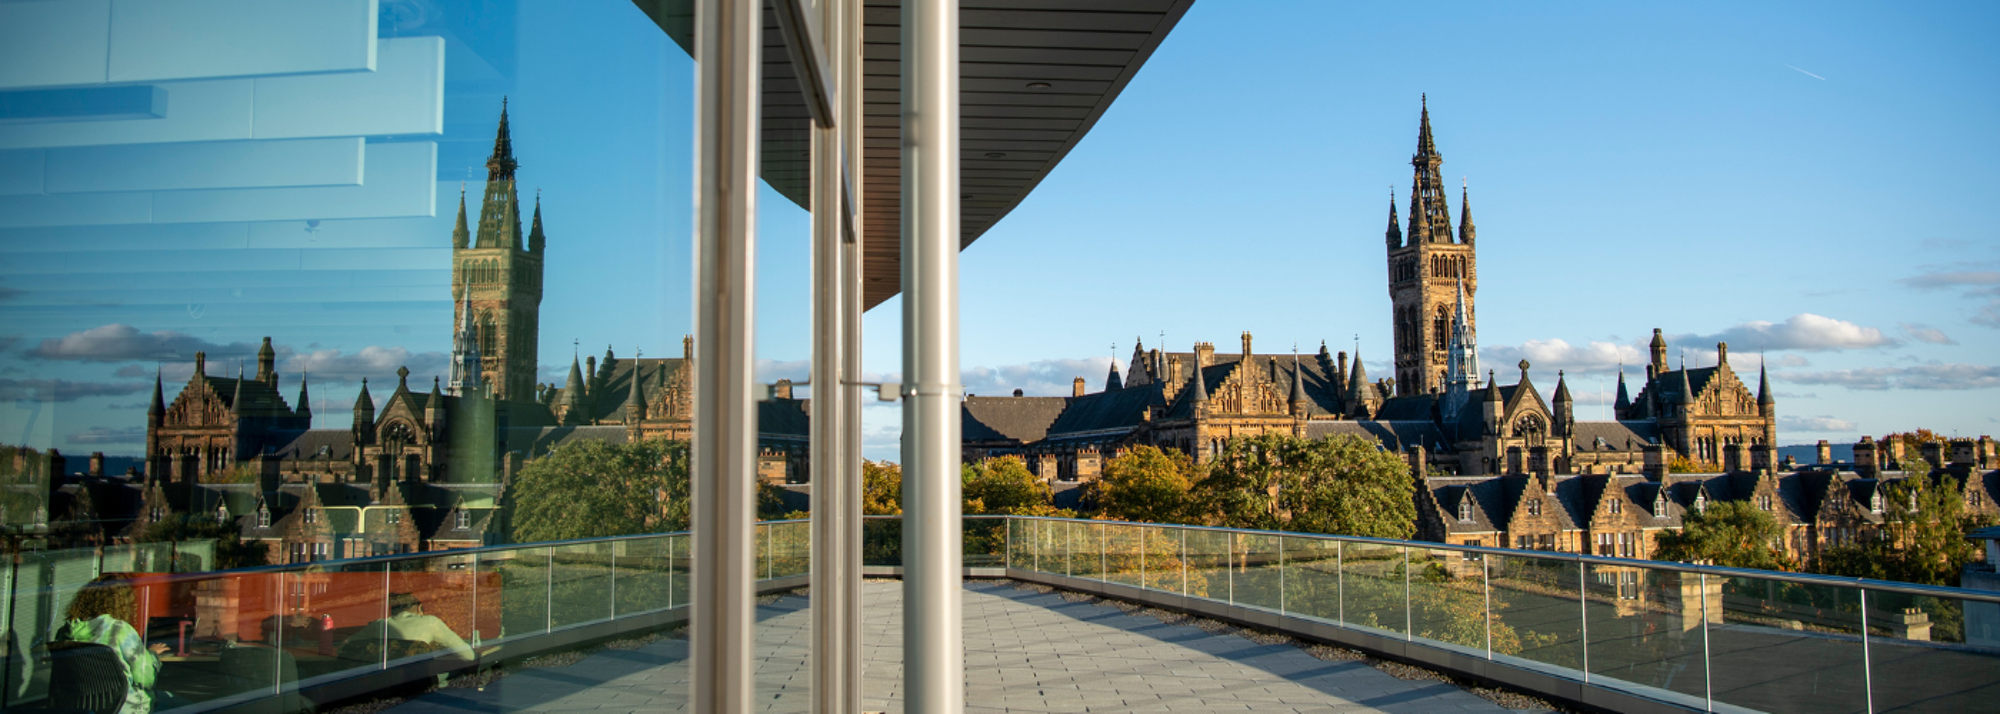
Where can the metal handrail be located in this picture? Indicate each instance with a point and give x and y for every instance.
(1670, 565)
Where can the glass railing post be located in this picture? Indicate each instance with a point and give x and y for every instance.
(1486, 592)
(1184, 560)
(549, 592)
(1007, 544)
(1409, 613)
(1867, 669)
(1036, 541)
(385, 615)
(1707, 673)
(614, 579)
(1340, 581)
(1583, 616)
(1103, 561)
(1232, 569)
(1281, 575)
(1069, 548)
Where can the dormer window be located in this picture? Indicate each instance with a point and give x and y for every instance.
(1875, 503)
(1465, 511)
(1913, 502)
(1660, 504)
(263, 517)
(1701, 503)
(464, 520)
(222, 514)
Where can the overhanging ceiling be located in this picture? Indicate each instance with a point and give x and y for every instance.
(1034, 76)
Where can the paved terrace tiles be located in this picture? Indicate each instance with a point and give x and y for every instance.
(1025, 652)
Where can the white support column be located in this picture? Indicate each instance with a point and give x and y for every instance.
(836, 511)
(847, 82)
(728, 50)
(933, 640)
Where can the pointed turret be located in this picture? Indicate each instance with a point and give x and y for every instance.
(1465, 228)
(236, 399)
(1565, 406)
(364, 415)
(571, 403)
(1562, 389)
(535, 238)
(1298, 387)
(1198, 383)
(1430, 212)
(1764, 396)
(1112, 382)
(267, 364)
(1624, 397)
(500, 211)
(1357, 381)
(1492, 389)
(305, 401)
(1658, 350)
(635, 403)
(500, 166)
(461, 235)
(158, 410)
(1395, 233)
(1687, 391)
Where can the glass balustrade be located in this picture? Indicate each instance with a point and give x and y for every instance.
(1695, 636)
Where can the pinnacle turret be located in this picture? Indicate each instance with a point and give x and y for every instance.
(1765, 397)
(1357, 381)
(305, 400)
(364, 408)
(1112, 382)
(1430, 214)
(536, 240)
(1298, 385)
(501, 165)
(159, 407)
(461, 236)
(267, 363)
(1395, 233)
(500, 210)
(1465, 229)
(635, 403)
(1687, 392)
(1200, 384)
(236, 399)
(1624, 397)
(1562, 389)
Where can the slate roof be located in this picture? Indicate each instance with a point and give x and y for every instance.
(338, 443)
(1617, 436)
(537, 440)
(1018, 419)
(1394, 435)
(1123, 409)
(608, 402)
(784, 419)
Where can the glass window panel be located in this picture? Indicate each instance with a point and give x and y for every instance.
(1448, 598)
(1257, 579)
(1788, 647)
(1931, 653)
(1535, 604)
(1372, 587)
(1646, 630)
(1312, 577)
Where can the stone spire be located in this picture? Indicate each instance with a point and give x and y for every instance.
(1624, 397)
(1462, 364)
(364, 414)
(1112, 382)
(267, 364)
(500, 211)
(572, 396)
(158, 410)
(1658, 350)
(1298, 387)
(1764, 396)
(1200, 385)
(1395, 233)
(461, 236)
(1562, 388)
(1687, 392)
(1492, 388)
(535, 238)
(1357, 382)
(465, 358)
(305, 400)
(236, 400)
(1430, 211)
(1565, 406)
(635, 403)
(1465, 229)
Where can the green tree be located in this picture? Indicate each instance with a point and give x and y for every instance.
(1003, 485)
(1145, 485)
(1729, 533)
(881, 488)
(1341, 485)
(230, 550)
(1925, 523)
(591, 489)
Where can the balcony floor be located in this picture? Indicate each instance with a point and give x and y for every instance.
(1025, 652)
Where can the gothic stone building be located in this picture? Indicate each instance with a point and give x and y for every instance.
(1464, 423)
(425, 469)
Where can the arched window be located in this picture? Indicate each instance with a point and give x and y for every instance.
(1441, 329)
(488, 334)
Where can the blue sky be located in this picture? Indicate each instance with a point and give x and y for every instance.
(1803, 180)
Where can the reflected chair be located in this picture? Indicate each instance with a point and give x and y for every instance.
(85, 677)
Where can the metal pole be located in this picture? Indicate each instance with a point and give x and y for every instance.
(933, 637)
(1184, 560)
(1103, 560)
(549, 596)
(1142, 557)
(1281, 575)
(1707, 675)
(1583, 617)
(1867, 666)
(832, 508)
(1340, 579)
(728, 54)
(1409, 615)
(1486, 590)
(844, 47)
(614, 575)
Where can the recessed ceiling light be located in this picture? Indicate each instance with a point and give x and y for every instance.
(1039, 85)
(996, 154)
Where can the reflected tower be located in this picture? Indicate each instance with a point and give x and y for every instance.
(497, 278)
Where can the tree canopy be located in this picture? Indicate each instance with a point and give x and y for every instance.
(1340, 485)
(1146, 485)
(1927, 523)
(591, 489)
(881, 488)
(1735, 534)
(1004, 485)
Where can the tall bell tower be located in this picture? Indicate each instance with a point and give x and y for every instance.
(497, 278)
(1427, 270)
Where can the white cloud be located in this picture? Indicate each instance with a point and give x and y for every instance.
(1815, 424)
(1805, 332)
(125, 343)
(1926, 333)
(375, 362)
(1040, 378)
(1553, 354)
(1980, 285)
(1934, 376)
